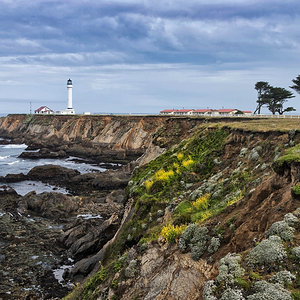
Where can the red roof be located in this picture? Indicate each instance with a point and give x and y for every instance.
(168, 110)
(226, 110)
(184, 110)
(43, 107)
(202, 110)
(247, 111)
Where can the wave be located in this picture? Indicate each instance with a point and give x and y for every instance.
(16, 146)
(13, 162)
(4, 157)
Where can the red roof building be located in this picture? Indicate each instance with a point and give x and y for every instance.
(168, 111)
(227, 111)
(184, 111)
(44, 110)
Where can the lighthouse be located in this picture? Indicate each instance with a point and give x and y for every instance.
(69, 110)
(69, 87)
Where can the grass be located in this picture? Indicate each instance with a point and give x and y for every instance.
(291, 155)
(262, 125)
(296, 189)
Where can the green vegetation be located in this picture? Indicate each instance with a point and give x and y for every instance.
(190, 161)
(171, 233)
(90, 287)
(264, 272)
(28, 119)
(296, 85)
(296, 189)
(272, 97)
(291, 155)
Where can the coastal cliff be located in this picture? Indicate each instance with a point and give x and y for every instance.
(206, 203)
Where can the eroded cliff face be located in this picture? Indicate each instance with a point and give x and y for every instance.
(222, 185)
(118, 137)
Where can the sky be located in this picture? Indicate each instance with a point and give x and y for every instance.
(143, 56)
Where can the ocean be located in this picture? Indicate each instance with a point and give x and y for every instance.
(10, 163)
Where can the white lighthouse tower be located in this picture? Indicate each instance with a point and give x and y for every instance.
(69, 87)
(69, 110)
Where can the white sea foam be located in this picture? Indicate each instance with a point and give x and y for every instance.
(13, 162)
(89, 216)
(58, 274)
(16, 146)
(4, 157)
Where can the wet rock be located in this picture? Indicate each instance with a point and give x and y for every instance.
(88, 238)
(52, 173)
(50, 205)
(117, 196)
(6, 190)
(43, 153)
(111, 180)
(14, 177)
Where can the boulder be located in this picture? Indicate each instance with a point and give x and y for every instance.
(50, 205)
(43, 153)
(14, 177)
(111, 180)
(52, 173)
(92, 240)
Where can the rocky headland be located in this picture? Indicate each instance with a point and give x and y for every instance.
(189, 208)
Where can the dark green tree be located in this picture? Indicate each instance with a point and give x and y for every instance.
(296, 85)
(262, 88)
(276, 97)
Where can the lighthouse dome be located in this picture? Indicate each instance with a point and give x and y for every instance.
(69, 82)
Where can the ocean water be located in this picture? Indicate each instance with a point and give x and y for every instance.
(10, 163)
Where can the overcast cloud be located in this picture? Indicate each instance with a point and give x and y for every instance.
(144, 56)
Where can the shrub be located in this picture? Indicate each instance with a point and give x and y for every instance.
(186, 237)
(209, 290)
(291, 220)
(131, 269)
(296, 189)
(230, 269)
(187, 163)
(269, 291)
(282, 229)
(284, 277)
(201, 216)
(296, 253)
(214, 245)
(93, 282)
(162, 175)
(268, 253)
(232, 294)
(148, 185)
(119, 263)
(170, 232)
(180, 156)
(114, 284)
(197, 250)
(194, 238)
(201, 203)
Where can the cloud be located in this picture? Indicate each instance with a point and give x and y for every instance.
(136, 55)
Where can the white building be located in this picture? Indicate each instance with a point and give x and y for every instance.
(183, 112)
(44, 110)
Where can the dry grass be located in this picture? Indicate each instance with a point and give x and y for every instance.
(262, 125)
